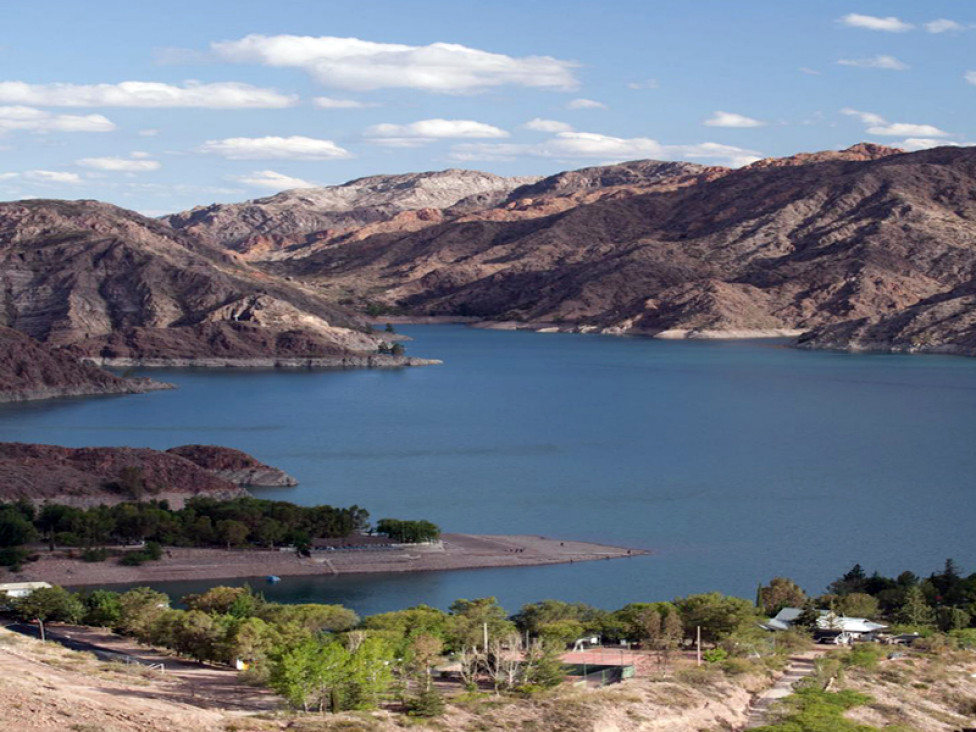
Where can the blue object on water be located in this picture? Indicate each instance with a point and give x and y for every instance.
(273, 579)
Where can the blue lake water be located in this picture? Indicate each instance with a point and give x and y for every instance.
(732, 461)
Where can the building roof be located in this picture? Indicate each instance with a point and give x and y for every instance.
(20, 586)
(827, 621)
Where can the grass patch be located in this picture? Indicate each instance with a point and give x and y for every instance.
(812, 710)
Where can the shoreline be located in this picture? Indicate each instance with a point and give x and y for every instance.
(455, 551)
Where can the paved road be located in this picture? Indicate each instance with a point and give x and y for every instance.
(65, 639)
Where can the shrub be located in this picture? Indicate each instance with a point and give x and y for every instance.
(132, 559)
(865, 655)
(13, 557)
(94, 555)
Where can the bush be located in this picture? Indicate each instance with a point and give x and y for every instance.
(13, 557)
(94, 555)
(428, 703)
(865, 655)
(132, 559)
(699, 676)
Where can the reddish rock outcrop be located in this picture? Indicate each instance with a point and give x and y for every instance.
(234, 465)
(89, 475)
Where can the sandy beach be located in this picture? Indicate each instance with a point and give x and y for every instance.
(455, 551)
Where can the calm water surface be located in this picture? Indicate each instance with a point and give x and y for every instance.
(733, 461)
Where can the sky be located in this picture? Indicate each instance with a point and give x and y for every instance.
(163, 105)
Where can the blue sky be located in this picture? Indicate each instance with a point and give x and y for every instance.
(160, 106)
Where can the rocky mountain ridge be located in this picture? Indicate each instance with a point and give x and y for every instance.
(103, 282)
(30, 370)
(779, 247)
(294, 220)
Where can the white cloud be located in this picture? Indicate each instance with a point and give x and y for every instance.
(284, 148)
(731, 119)
(811, 72)
(38, 120)
(547, 125)
(429, 130)
(52, 176)
(912, 144)
(583, 145)
(943, 25)
(889, 63)
(878, 125)
(971, 77)
(585, 104)
(148, 133)
(645, 84)
(890, 24)
(330, 103)
(351, 63)
(119, 164)
(905, 129)
(139, 155)
(273, 180)
(220, 95)
(9, 176)
(868, 118)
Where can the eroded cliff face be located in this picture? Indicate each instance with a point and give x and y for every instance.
(779, 247)
(29, 370)
(103, 281)
(90, 475)
(294, 222)
(234, 465)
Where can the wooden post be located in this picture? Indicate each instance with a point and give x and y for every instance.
(40, 623)
(698, 644)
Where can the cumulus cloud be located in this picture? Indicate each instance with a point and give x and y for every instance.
(136, 163)
(913, 144)
(878, 125)
(547, 125)
(943, 25)
(52, 176)
(891, 24)
(731, 119)
(899, 129)
(38, 120)
(220, 95)
(585, 104)
(429, 130)
(889, 63)
(330, 103)
(284, 148)
(583, 145)
(352, 63)
(273, 180)
(868, 118)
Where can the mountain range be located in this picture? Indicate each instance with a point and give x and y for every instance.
(868, 248)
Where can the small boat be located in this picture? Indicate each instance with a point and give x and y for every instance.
(273, 578)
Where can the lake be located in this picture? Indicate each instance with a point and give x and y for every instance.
(733, 461)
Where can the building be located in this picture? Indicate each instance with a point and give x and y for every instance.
(20, 589)
(831, 627)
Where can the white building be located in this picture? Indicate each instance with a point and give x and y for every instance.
(20, 589)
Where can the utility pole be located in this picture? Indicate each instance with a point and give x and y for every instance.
(698, 644)
(40, 624)
(486, 637)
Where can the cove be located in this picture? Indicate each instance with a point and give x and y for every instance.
(732, 461)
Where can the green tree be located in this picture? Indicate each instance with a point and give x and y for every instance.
(915, 610)
(858, 605)
(15, 529)
(139, 609)
(717, 615)
(369, 673)
(779, 593)
(102, 608)
(49, 604)
(232, 533)
(312, 674)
